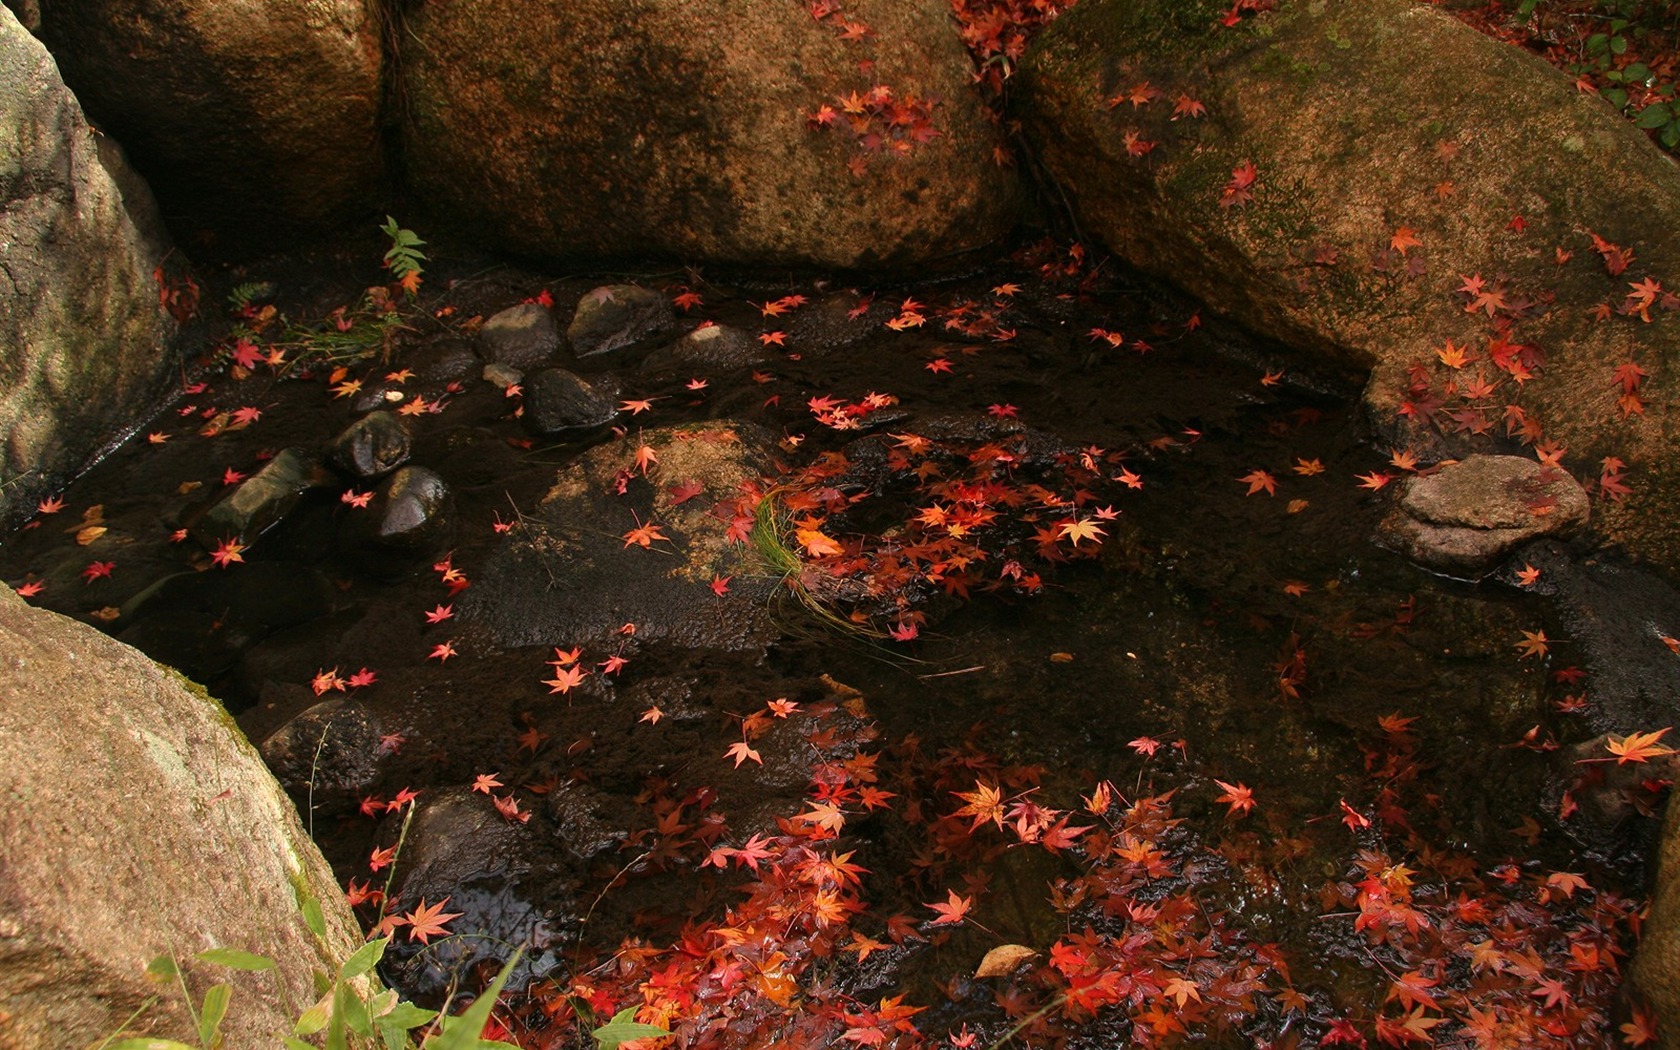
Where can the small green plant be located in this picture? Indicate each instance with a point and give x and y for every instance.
(351, 1011)
(404, 258)
(624, 1027)
(1610, 60)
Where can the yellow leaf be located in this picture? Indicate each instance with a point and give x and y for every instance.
(1003, 960)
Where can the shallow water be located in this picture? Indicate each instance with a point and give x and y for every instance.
(1258, 637)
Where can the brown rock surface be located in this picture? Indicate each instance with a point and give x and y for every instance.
(1393, 150)
(138, 821)
(84, 346)
(254, 118)
(679, 130)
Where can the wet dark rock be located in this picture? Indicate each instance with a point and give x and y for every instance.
(385, 393)
(510, 886)
(1466, 516)
(835, 321)
(569, 576)
(523, 336)
(200, 622)
(260, 501)
(440, 361)
(614, 316)
(713, 346)
(373, 446)
(412, 515)
(558, 402)
(501, 375)
(1616, 616)
(588, 821)
(1606, 792)
(327, 755)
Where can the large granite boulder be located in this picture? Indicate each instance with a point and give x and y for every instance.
(1380, 185)
(137, 822)
(682, 130)
(253, 119)
(84, 345)
(1655, 973)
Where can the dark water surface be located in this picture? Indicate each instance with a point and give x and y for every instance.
(1260, 638)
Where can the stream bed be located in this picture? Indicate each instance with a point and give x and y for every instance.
(1029, 594)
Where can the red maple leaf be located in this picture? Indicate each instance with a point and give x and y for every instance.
(1240, 190)
(683, 491)
(1238, 796)
(227, 552)
(644, 535)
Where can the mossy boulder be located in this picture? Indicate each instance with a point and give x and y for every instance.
(138, 821)
(84, 346)
(637, 129)
(1371, 181)
(252, 120)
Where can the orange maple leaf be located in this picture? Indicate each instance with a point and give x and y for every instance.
(741, 751)
(566, 678)
(953, 910)
(815, 543)
(1259, 481)
(1081, 529)
(1404, 239)
(1639, 747)
(425, 922)
(644, 535)
(984, 803)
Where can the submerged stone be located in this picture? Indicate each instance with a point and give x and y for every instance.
(523, 336)
(558, 402)
(261, 500)
(500, 874)
(712, 346)
(613, 316)
(569, 574)
(326, 755)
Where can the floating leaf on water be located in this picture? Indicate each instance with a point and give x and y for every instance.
(1003, 960)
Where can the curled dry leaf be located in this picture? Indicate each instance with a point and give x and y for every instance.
(1003, 960)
